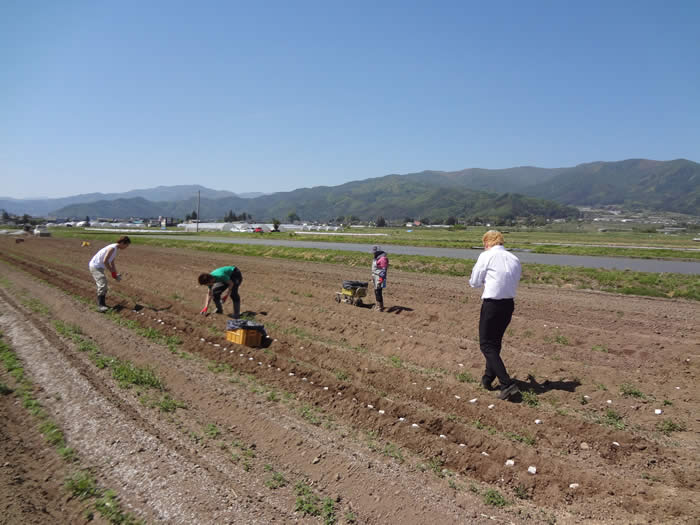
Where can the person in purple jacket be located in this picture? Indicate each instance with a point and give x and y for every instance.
(380, 265)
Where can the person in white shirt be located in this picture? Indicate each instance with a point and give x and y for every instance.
(105, 259)
(498, 271)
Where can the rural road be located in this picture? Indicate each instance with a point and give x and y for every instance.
(619, 263)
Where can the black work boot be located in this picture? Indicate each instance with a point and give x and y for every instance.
(508, 391)
(487, 383)
(101, 306)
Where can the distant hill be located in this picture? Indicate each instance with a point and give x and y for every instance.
(391, 197)
(635, 183)
(672, 186)
(497, 181)
(43, 207)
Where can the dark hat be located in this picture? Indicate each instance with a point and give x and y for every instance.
(376, 249)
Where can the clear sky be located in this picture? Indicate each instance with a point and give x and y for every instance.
(272, 96)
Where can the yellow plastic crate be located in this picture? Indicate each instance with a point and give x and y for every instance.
(244, 337)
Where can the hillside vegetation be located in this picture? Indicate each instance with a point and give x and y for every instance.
(672, 186)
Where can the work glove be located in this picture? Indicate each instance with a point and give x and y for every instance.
(204, 311)
(381, 280)
(115, 276)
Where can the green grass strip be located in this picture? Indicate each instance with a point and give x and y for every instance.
(80, 484)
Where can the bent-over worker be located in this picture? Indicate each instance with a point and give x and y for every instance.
(222, 282)
(106, 259)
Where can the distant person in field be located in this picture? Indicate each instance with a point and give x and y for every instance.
(498, 271)
(103, 260)
(380, 265)
(222, 282)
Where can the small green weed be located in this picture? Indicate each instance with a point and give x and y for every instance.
(341, 375)
(82, 485)
(276, 481)
(629, 390)
(52, 433)
(36, 306)
(557, 339)
(396, 361)
(307, 502)
(328, 511)
(168, 404)
(393, 451)
(308, 413)
(273, 396)
(667, 426)
(127, 374)
(465, 377)
(494, 498)
(613, 419)
(600, 348)
(212, 430)
(435, 464)
(530, 398)
(528, 440)
(219, 368)
(109, 506)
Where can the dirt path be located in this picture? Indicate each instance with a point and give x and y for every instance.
(371, 410)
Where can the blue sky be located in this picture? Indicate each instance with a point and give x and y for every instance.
(273, 96)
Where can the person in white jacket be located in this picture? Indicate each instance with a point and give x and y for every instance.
(106, 259)
(498, 271)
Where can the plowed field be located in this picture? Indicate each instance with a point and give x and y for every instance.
(379, 413)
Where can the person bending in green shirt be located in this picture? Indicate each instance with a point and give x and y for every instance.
(222, 282)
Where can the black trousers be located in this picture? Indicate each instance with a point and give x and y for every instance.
(495, 318)
(378, 295)
(220, 288)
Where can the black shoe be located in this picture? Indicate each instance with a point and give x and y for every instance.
(508, 391)
(487, 383)
(219, 312)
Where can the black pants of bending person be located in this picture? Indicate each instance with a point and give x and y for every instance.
(378, 295)
(495, 318)
(220, 288)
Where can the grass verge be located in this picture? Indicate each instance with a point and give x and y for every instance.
(80, 484)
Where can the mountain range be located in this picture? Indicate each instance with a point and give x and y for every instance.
(672, 186)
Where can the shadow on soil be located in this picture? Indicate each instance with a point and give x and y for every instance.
(398, 309)
(248, 314)
(547, 385)
(138, 307)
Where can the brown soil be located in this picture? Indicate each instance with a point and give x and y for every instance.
(356, 382)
